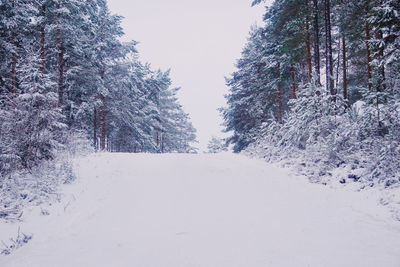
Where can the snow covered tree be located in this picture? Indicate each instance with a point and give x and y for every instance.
(356, 112)
(216, 145)
(178, 133)
(39, 119)
(34, 124)
(63, 69)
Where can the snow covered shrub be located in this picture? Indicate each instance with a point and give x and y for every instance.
(313, 120)
(216, 145)
(36, 149)
(380, 137)
(40, 183)
(14, 244)
(323, 133)
(8, 159)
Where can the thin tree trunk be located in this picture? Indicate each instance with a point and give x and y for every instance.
(14, 82)
(338, 63)
(14, 59)
(14, 56)
(317, 71)
(103, 124)
(328, 50)
(369, 54)
(279, 96)
(381, 50)
(380, 87)
(95, 129)
(109, 145)
(43, 42)
(294, 84)
(61, 65)
(162, 143)
(309, 57)
(345, 89)
(158, 140)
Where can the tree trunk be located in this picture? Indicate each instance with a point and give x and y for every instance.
(61, 65)
(14, 82)
(369, 54)
(317, 72)
(338, 62)
(344, 52)
(95, 129)
(381, 50)
(380, 87)
(162, 143)
(328, 50)
(13, 39)
(309, 57)
(158, 140)
(43, 42)
(279, 96)
(109, 146)
(14, 55)
(294, 84)
(103, 124)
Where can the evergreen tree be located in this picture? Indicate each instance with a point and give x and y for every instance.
(63, 69)
(298, 118)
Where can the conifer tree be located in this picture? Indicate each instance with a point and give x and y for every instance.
(63, 70)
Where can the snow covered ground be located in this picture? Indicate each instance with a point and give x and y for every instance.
(218, 210)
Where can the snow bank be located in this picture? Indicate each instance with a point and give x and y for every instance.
(348, 175)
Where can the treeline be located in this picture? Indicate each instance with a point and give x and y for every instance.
(321, 79)
(63, 69)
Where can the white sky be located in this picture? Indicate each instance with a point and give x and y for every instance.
(199, 40)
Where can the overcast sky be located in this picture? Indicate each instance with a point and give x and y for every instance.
(199, 40)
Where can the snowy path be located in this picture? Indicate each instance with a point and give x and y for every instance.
(203, 210)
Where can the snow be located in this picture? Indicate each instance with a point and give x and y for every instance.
(219, 210)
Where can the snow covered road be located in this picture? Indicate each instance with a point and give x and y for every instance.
(219, 210)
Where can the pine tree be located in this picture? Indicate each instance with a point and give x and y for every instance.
(63, 70)
(38, 128)
(297, 117)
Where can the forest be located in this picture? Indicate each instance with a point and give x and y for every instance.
(319, 84)
(65, 74)
(312, 112)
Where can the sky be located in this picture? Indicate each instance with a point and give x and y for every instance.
(199, 41)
